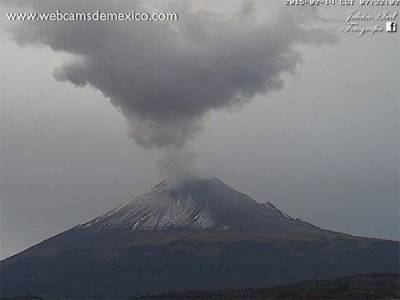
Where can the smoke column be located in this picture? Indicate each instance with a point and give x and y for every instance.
(165, 77)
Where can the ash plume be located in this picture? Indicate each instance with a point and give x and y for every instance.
(165, 77)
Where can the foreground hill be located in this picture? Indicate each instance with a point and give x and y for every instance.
(365, 286)
(201, 234)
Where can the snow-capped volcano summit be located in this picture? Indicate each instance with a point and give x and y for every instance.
(163, 207)
(197, 204)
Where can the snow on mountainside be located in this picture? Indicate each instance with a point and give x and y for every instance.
(195, 204)
(159, 209)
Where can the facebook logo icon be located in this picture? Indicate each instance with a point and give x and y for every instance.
(391, 26)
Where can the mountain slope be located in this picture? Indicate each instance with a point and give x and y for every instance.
(201, 234)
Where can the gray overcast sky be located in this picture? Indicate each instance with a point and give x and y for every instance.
(324, 148)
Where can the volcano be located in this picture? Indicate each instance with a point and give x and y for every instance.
(199, 234)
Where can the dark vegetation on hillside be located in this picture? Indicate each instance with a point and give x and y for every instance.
(366, 286)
